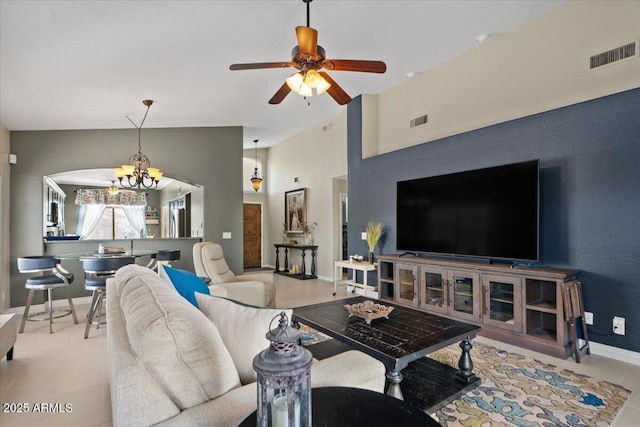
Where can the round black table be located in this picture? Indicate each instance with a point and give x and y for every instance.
(344, 406)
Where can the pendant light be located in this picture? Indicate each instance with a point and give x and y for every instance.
(255, 178)
(138, 172)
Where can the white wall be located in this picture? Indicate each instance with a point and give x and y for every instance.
(315, 156)
(538, 66)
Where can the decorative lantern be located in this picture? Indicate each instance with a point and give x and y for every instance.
(284, 380)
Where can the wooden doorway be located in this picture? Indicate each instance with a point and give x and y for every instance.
(252, 235)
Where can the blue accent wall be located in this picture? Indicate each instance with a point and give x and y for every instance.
(589, 193)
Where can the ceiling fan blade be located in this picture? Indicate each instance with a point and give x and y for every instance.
(335, 90)
(307, 40)
(354, 65)
(258, 65)
(280, 94)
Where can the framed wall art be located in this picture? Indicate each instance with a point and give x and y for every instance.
(295, 210)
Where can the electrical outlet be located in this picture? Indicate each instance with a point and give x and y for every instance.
(363, 235)
(588, 318)
(618, 325)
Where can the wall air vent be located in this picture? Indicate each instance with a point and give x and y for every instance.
(418, 121)
(613, 55)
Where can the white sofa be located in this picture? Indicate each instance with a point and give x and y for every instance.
(256, 289)
(169, 365)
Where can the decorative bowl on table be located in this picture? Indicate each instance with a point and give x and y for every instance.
(111, 250)
(368, 310)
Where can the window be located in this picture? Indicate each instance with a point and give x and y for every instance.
(114, 224)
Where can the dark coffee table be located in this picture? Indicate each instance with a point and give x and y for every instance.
(344, 406)
(407, 336)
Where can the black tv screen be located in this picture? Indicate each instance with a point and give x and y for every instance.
(489, 213)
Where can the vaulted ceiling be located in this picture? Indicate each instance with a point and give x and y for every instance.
(85, 64)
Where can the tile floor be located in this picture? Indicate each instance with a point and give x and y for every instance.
(65, 368)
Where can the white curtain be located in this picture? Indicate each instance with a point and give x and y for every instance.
(88, 217)
(136, 216)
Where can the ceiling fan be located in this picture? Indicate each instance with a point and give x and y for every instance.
(309, 58)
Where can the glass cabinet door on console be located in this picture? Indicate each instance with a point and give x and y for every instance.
(406, 291)
(433, 289)
(464, 295)
(501, 302)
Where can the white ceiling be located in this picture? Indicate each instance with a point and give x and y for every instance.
(85, 64)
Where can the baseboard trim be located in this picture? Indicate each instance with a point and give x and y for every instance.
(615, 353)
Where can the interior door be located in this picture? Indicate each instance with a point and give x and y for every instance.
(252, 235)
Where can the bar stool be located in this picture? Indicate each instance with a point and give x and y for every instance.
(97, 270)
(52, 276)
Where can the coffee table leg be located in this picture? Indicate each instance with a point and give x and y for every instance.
(465, 375)
(394, 377)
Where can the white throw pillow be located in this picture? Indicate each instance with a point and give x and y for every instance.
(242, 329)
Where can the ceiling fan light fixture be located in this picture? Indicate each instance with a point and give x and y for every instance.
(316, 81)
(309, 58)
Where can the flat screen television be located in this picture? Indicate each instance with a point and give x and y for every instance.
(489, 213)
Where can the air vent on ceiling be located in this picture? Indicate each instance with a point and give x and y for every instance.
(613, 55)
(418, 121)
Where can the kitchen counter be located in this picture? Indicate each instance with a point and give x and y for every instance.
(60, 247)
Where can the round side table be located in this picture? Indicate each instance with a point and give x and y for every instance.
(345, 406)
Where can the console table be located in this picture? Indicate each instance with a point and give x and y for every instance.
(354, 266)
(303, 249)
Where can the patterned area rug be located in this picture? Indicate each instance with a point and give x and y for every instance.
(310, 336)
(517, 390)
(521, 391)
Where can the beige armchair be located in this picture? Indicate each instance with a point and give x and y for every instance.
(256, 289)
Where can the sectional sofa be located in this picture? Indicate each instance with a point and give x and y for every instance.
(173, 365)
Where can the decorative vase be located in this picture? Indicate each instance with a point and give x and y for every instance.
(284, 237)
(308, 238)
(371, 257)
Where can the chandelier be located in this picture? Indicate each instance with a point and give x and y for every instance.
(255, 178)
(138, 172)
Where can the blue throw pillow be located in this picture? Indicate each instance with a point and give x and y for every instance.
(186, 283)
